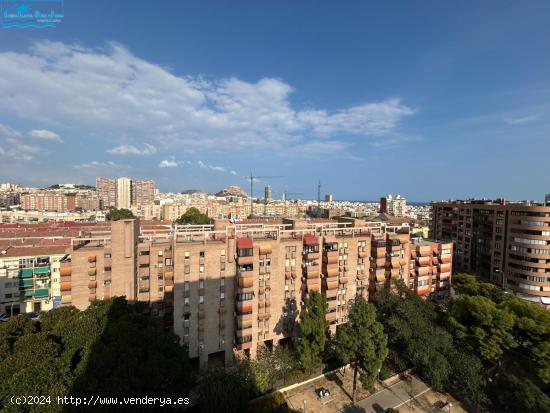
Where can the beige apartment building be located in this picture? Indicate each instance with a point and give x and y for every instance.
(227, 288)
(506, 242)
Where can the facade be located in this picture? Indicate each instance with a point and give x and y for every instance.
(8, 199)
(268, 193)
(143, 191)
(547, 199)
(393, 206)
(123, 192)
(106, 192)
(506, 242)
(228, 288)
(48, 201)
(30, 279)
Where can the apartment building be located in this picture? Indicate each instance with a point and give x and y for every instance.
(226, 288)
(48, 201)
(106, 192)
(143, 191)
(124, 192)
(506, 242)
(393, 205)
(30, 278)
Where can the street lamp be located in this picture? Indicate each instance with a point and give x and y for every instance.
(305, 404)
(378, 377)
(450, 405)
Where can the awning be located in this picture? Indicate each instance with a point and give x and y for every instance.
(310, 240)
(244, 243)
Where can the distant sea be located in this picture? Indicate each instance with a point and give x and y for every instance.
(378, 201)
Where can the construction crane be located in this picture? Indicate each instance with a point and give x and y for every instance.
(251, 178)
(285, 194)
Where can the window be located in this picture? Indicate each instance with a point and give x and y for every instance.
(201, 268)
(168, 261)
(222, 281)
(201, 254)
(201, 299)
(222, 266)
(186, 255)
(245, 296)
(245, 252)
(186, 301)
(160, 253)
(186, 269)
(222, 253)
(107, 255)
(201, 283)
(222, 296)
(186, 286)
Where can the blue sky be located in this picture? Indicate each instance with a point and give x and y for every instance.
(428, 99)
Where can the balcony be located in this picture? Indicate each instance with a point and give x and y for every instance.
(26, 283)
(245, 260)
(65, 270)
(332, 304)
(26, 273)
(444, 268)
(311, 255)
(331, 272)
(66, 286)
(265, 249)
(332, 316)
(421, 271)
(446, 259)
(426, 260)
(331, 284)
(246, 282)
(311, 271)
(330, 259)
(244, 307)
(42, 293)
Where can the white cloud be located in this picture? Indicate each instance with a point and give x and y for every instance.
(95, 164)
(201, 164)
(168, 163)
(217, 168)
(8, 132)
(521, 119)
(232, 172)
(148, 149)
(45, 134)
(112, 92)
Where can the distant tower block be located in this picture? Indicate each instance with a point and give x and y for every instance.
(268, 193)
(328, 198)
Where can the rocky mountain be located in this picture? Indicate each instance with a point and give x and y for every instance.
(234, 191)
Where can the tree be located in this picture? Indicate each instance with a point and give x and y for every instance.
(532, 331)
(193, 217)
(110, 349)
(470, 285)
(512, 394)
(115, 214)
(313, 331)
(225, 390)
(480, 324)
(362, 343)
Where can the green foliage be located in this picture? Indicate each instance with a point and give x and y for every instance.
(415, 338)
(478, 322)
(115, 214)
(313, 332)
(470, 285)
(111, 348)
(193, 217)
(225, 390)
(532, 331)
(270, 366)
(362, 342)
(512, 394)
(274, 403)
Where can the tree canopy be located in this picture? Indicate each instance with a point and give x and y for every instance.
(115, 214)
(193, 217)
(362, 342)
(110, 349)
(313, 331)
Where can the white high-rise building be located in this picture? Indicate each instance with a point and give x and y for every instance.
(123, 192)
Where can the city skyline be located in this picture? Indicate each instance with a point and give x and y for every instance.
(389, 97)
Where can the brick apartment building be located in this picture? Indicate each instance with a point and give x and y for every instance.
(124, 192)
(506, 242)
(229, 287)
(48, 201)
